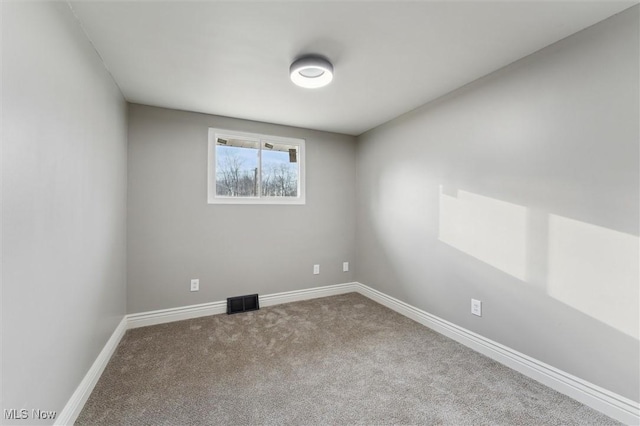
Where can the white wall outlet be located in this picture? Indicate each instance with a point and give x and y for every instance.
(195, 284)
(316, 269)
(476, 307)
(345, 266)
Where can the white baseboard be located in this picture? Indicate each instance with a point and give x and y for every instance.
(309, 293)
(205, 309)
(74, 406)
(609, 403)
(162, 316)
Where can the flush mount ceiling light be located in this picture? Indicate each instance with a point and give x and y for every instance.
(311, 72)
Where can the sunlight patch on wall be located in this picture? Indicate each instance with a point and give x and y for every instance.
(490, 230)
(595, 270)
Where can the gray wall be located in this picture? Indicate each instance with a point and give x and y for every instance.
(174, 235)
(521, 190)
(64, 147)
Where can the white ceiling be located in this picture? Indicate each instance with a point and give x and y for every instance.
(232, 58)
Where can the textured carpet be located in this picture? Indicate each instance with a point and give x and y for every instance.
(335, 360)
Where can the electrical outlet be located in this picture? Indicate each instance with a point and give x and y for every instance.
(345, 266)
(316, 269)
(476, 307)
(195, 284)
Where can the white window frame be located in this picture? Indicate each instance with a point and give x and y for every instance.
(213, 198)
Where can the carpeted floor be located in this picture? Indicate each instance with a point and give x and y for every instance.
(336, 360)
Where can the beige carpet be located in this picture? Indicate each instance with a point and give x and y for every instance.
(336, 360)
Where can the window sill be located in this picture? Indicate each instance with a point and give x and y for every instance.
(260, 201)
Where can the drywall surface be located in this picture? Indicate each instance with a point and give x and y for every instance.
(520, 190)
(174, 235)
(64, 147)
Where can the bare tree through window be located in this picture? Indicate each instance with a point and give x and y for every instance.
(237, 168)
(279, 177)
(254, 168)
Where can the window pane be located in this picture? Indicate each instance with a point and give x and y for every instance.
(280, 170)
(237, 167)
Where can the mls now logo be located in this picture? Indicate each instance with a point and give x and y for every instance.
(15, 414)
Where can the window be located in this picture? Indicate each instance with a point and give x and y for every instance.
(246, 168)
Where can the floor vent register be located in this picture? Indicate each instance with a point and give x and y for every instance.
(239, 304)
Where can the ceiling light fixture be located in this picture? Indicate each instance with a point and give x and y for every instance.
(311, 72)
